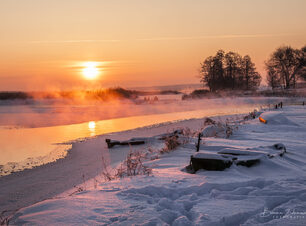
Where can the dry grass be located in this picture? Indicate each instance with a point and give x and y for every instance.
(131, 166)
(251, 115)
(209, 121)
(228, 130)
(106, 171)
(4, 220)
(187, 135)
(224, 129)
(171, 143)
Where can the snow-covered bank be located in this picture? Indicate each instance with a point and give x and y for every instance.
(272, 192)
(25, 148)
(30, 186)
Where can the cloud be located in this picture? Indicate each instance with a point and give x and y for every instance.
(230, 36)
(215, 37)
(75, 41)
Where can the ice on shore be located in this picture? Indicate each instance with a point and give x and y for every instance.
(58, 151)
(270, 193)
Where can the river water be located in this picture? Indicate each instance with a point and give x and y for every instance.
(23, 148)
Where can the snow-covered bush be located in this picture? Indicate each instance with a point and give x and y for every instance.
(134, 165)
(187, 135)
(209, 121)
(251, 115)
(219, 129)
(131, 166)
(171, 143)
(106, 171)
(4, 220)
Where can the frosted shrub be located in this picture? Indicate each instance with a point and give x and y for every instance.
(4, 220)
(188, 134)
(251, 115)
(219, 129)
(133, 165)
(209, 121)
(228, 130)
(171, 143)
(106, 172)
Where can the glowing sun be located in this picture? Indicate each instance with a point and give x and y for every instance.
(90, 70)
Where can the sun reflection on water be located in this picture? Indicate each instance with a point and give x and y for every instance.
(92, 128)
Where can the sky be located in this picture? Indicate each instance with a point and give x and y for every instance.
(46, 44)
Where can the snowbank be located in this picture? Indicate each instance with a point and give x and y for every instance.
(270, 193)
(276, 118)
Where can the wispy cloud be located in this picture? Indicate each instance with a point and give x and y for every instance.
(74, 41)
(230, 36)
(233, 36)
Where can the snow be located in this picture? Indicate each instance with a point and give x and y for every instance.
(276, 118)
(235, 151)
(272, 192)
(210, 156)
(212, 130)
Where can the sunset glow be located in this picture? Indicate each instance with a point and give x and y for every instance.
(90, 70)
(129, 112)
(149, 43)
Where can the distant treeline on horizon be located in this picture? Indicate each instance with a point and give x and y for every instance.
(121, 94)
(99, 94)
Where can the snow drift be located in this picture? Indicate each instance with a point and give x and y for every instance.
(270, 193)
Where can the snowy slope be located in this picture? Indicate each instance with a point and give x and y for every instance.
(272, 192)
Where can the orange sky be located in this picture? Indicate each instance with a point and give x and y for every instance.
(44, 43)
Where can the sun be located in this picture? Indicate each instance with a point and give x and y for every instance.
(90, 70)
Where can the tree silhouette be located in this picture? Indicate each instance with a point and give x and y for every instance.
(212, 72)
(285, 66)
(233, 70)
(229, 71)
(274, 79)
(251, 77)
(303, 70)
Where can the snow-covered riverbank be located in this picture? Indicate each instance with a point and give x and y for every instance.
(30, 132)
(272, 192)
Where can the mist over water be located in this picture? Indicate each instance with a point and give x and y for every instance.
(30, 134)
(47, 113)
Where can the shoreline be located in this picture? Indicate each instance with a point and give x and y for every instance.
(27, 187)
(172, 196)
(78, 132)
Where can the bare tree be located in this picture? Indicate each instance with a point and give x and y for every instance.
(303, 56)
(274, 79)
(285, 66)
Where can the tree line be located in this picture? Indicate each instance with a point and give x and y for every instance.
(232, 71)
